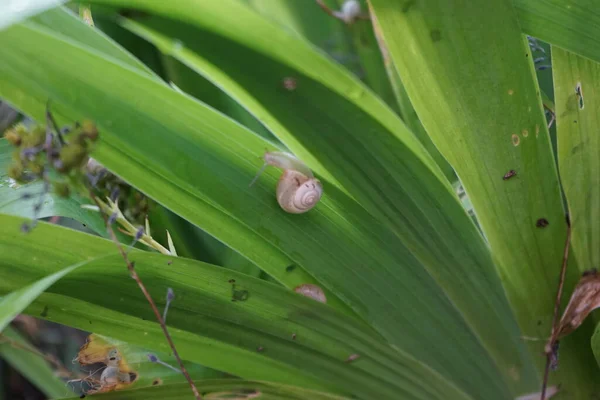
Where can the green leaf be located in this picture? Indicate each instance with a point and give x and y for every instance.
(472, 84)
(23, 357)
(199, 165)
(63, 21)
(407, 111)
(577, 121)
(14, 11)
(15, 302)
(572, 25)
(206, 325)
(223, 389)
(354, 164)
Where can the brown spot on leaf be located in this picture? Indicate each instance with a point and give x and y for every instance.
(542, 223)
(515, 139)
(351, 358)
(509, 174)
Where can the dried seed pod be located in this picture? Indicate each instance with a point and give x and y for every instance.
(312, 291)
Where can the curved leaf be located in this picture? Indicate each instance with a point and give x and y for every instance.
(223, 389)
(273, 334)
(338, 241)
(14, 303)
(471, 80)
(572, 25)
(577, 121)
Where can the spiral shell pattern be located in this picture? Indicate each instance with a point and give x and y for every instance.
(296, 193)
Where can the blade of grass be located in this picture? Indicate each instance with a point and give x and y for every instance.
(577, 121)
(15, 302)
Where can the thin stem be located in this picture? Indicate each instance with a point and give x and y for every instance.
(159, 318)
(325, 8)
(551, 342)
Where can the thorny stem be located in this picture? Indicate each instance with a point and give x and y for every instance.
(551, 342)
(159, 318)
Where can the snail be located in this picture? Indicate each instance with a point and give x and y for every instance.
(349, 12)
(297, 190)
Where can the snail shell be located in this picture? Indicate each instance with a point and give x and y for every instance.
(350, 10)
(297, 190)
(296, 193)
(312, 291)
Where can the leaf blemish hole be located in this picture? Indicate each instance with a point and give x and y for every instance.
(525, 133)
(579, 92)
(515, 140)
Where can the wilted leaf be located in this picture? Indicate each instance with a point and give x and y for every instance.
(584, 300)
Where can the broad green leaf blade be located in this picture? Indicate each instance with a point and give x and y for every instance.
(223, 389)
(14, 11)
(338, 241)
(382, 173)
(14, 303)
(572, 25)
(470, 78)
(23, 357)
(65, 22)
(577, 121)
(206, 325)
(407, 111)
(374, 67)
(191, 242)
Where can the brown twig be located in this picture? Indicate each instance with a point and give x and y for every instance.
(328, 10)
(550, 346)
(159, 318)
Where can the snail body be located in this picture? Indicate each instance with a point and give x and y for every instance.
(298, 190)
